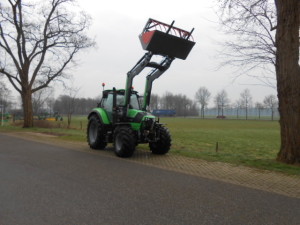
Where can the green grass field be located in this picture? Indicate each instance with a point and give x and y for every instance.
(251, 143)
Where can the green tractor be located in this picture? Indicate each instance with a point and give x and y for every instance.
(120, 117)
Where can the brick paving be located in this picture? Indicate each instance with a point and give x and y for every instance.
(240, 175)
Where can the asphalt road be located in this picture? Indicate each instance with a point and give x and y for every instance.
(44, 184)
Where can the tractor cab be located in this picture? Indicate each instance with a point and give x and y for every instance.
(111, 106)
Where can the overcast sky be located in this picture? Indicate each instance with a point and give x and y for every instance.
(116, 26)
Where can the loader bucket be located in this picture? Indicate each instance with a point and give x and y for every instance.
(168, 41)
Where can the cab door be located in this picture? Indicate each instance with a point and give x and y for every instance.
(107, 104)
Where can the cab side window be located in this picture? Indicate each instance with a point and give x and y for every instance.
(107, 103)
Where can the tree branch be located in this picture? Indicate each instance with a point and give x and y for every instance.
(11, 78)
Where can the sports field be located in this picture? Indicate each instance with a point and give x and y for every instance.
(252, 143)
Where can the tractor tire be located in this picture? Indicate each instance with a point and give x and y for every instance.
(95, 133)
(124, 142)
(162, 146)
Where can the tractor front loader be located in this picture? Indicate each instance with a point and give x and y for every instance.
(119, 118)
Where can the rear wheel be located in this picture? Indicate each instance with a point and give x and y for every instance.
(162, 146)
(124, 142)
(96, 133)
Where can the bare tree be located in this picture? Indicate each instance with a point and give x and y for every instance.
(40, 99)
(167, 101)
(179, 102)
(251, 25)
(154, 103)
(238, 106)
(38, 43)
(271, 103)
(50, 103)
(259, 106)
(221, 100)
(69, 101)
(246, 100)
(202, 96)
(4, 97)
(282, 17)
(185, 102)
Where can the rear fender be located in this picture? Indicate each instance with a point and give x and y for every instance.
(101, 113)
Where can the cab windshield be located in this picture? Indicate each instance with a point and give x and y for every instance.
(134, 102)
(107, 102)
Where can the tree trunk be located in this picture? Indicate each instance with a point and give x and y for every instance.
(202, 112)
(69, 120)
(288, 79)
(272, 116)
(222, 110)
(27, 108)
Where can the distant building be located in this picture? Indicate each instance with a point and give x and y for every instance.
(164, 112)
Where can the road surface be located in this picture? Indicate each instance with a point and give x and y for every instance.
(45, 184)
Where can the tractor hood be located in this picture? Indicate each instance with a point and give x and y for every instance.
(138, 116)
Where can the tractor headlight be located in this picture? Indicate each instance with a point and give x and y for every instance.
(148, 124)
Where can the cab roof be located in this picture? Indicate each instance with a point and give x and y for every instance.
(119, 91)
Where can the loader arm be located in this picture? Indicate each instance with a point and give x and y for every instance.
(140, 65)
(154, 74)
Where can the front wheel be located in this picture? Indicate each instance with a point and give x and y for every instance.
(163, 144)
(124, 142)
(95, 133)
